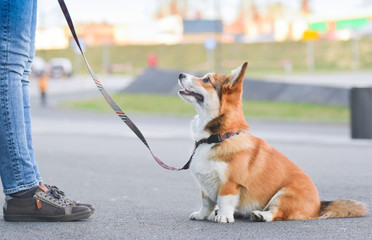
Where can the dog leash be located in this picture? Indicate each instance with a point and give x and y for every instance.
(215, 138)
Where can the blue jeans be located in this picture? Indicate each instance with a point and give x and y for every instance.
(18, 169)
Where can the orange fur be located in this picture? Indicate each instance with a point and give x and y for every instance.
(257, 171)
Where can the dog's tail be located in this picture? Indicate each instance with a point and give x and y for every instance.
(342, 208)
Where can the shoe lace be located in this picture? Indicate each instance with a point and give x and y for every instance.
(55, 192)
(59, 194)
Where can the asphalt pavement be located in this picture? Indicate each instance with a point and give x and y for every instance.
(95, 158)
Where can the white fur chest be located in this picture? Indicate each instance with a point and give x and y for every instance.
(209, 173)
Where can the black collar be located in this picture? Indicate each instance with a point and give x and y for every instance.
(215, 138)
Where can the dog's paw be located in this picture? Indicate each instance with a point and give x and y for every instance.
(261, 216)
(256, 216)
(224, 219)
(197, 216)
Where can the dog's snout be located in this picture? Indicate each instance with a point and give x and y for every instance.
(182, 75)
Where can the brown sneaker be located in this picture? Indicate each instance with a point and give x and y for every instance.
(47, 205)
(70, 201)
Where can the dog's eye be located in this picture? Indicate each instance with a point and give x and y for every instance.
(206, 80)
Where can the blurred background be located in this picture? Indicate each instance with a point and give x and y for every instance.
(299, 51)
(272, 34)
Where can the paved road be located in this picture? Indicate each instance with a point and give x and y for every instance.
(95, 158)
(79, 84)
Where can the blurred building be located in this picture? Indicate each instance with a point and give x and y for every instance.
(196, 31)
(51, 38)
(166, 30)
(342, 29)
(95, 34)
(176, 22)
(276, 22)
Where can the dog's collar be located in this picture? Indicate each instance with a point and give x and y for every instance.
(215, 138)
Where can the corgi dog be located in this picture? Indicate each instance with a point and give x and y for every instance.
(243, 175)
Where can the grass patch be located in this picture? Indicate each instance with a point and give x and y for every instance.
(263, 58)
(173, 105)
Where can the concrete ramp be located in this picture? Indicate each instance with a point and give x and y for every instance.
(159, 81)
(155, 81)
(298, 93)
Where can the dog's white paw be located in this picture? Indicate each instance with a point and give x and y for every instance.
(224, 219)
(197, 216)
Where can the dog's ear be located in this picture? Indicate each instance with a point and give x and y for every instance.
(237, 75)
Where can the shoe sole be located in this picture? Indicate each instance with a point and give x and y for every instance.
(62, 218)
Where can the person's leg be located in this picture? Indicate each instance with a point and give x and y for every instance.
(26, 91)
(17, 165)
(18, 169)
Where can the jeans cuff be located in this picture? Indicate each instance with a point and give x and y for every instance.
(22, 187)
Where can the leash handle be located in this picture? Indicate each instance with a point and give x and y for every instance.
(108, 98)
